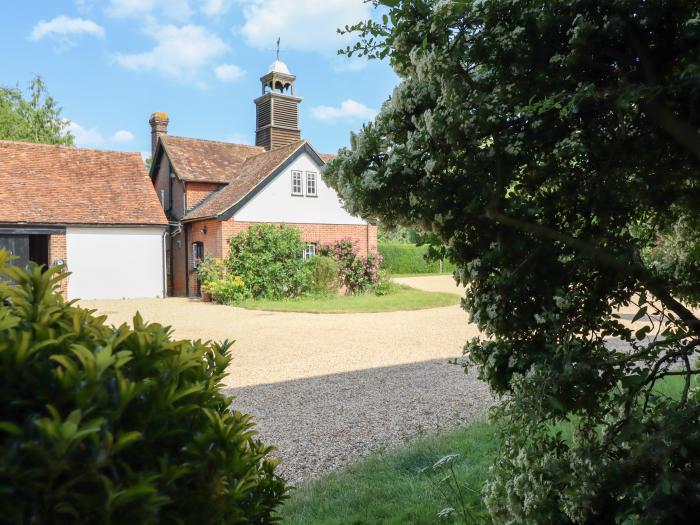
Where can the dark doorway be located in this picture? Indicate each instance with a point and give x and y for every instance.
(39, 249)
(26, 248)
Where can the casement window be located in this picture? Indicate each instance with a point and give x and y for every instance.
(311, 184)
(197, 254)
(309, 250)
(297, 187)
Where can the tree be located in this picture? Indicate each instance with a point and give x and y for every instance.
(36, 118)
(548, 145)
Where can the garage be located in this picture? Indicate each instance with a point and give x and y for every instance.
(111, 263)
(94, 213)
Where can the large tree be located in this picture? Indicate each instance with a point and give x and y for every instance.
(549, 144)
(32, 118)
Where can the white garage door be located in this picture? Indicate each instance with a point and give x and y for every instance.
(114, 263)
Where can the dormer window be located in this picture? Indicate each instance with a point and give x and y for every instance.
(297, 188)
(311, 184)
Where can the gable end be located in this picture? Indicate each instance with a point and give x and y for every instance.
(305, 148)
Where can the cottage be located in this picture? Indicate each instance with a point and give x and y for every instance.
(212, 190)
(93, 211)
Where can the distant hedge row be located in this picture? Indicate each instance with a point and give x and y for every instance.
(409, 258)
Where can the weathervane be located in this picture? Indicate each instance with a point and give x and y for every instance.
(278, 48)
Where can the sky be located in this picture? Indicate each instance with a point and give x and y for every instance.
(111, 63)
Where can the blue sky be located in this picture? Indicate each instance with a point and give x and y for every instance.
(111, 63)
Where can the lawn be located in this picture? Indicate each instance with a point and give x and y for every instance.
(390, 488)
(401, 297)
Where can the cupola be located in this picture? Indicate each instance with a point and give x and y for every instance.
(277, 109)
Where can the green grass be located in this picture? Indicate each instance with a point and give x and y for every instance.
(389, 488)
(401, 297)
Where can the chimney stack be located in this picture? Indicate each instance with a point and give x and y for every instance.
(159, 126)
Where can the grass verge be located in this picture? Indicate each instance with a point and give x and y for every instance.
(389, 488)
(401, 297)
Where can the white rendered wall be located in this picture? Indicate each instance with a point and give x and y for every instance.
(114, 263)
(275, 203)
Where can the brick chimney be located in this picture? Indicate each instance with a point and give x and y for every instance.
(159, 126)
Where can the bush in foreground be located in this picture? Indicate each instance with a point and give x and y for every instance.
(118, 425)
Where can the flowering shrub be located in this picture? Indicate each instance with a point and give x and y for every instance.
(216, 280)
(358, 274)
(227, 290)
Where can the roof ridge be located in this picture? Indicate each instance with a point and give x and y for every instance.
(210, 140)
(68, 148)
(300, 141)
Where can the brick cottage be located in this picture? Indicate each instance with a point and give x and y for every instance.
(122, 232)
(212, 190)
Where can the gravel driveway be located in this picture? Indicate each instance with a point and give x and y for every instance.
(327, 389)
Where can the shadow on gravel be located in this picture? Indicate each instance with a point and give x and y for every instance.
(323, 423)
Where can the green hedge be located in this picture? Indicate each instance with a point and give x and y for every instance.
(409, 258)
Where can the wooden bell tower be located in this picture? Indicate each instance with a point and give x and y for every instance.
(277, 110)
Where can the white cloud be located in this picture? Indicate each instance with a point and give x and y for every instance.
(215, 7)
(239, 138)
(122, 135)
(175, 9)
(93, 137)
(180, 52)
(85, 136)
(63, 27)
(303, 25)
(228, 72)
(348, 110)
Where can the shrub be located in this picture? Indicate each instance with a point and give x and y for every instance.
(118, 425)
(227, 290)
(269, 260)
(357, 274)
(408, 258)
(325, 274)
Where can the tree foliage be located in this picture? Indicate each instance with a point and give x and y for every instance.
(36, 118)
(118, 425)
(549, 145)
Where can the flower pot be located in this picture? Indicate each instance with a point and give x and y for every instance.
(206, 297)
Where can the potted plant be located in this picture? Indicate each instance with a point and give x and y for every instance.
(208, 271)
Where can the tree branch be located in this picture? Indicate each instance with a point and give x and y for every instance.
(605, 258)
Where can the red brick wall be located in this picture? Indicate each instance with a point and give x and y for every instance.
(212, 245)
(198, 191)
(364, 235)
(57, 250)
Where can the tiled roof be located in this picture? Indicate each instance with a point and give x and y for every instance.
(327, 157)
(251, 173)
(47, 184)
(199, 160)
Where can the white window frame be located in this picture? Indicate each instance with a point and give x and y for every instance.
(300, 191)
(311, 176)
(309, 251)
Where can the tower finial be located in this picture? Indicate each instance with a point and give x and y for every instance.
(278, 48)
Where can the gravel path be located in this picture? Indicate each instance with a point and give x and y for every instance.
(327, 389)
